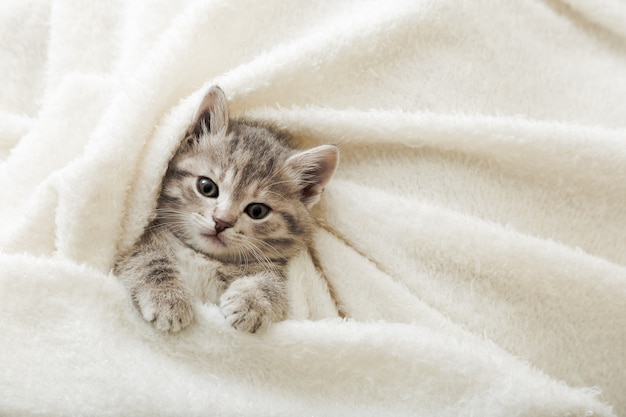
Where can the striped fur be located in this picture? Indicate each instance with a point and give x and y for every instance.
(212, 247)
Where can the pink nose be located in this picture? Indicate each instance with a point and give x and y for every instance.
(220, 225)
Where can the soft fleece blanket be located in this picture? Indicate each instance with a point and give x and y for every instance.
(471, 251)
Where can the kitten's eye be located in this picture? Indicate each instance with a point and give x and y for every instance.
(257, 210)
(207, 187)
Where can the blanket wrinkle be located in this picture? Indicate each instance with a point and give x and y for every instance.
(502, 257)
(469, 257)
(608, 18)
(317, 55)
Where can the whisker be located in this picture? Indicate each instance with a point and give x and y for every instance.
(259, 255)
(268, 246)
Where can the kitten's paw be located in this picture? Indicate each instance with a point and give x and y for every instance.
(246, 307)
(169, 309)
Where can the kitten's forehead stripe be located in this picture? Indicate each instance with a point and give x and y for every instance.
(254, 158)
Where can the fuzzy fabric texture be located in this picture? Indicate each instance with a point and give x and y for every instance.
(471, 248)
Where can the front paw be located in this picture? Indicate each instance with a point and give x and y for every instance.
(247, 307)
(170, 309)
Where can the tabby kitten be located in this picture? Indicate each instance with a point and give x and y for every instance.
(233, 209)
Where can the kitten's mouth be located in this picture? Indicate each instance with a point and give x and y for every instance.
(215, 239)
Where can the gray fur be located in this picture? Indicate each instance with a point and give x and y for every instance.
(209, 247)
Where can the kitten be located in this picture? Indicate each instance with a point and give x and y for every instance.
(233, 209)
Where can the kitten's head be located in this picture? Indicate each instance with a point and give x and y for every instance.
(236, 191)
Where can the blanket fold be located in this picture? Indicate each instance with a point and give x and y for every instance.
(470, 256)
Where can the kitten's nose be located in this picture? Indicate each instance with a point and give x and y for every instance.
(220, 225)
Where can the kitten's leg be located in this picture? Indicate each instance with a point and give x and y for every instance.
(155, 284)
(254, 301)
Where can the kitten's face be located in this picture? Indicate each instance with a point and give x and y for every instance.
(234, 191)
(235, 197)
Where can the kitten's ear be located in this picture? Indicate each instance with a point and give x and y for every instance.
(212, 114)
(314, 167)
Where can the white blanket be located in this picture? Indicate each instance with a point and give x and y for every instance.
(471, 248)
